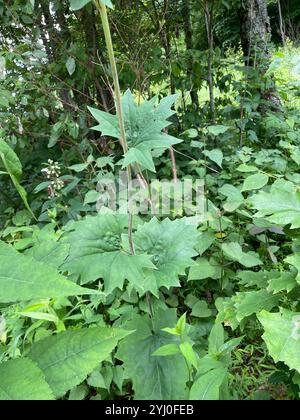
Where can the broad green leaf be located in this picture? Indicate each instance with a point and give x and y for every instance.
(205, 240)
(216, 338)
(92, 196)
(255, 182)
(69, 357)
(187, 351)
(24, 278)
(22, 379)
(234, 197)
(282, 336)
(97, 251)
(13, 167)
(49, 252)
(171, 256)
(227, 312)
(230, 345)
(10, 160)
(108, 123)
(153, 377)
(216, 130)
(282, 281)
(281, 206)
(246, 168)
(233, 250)
(248, 303)
(143, 126)
(143, 158)
(207, 386)
(295, 261)
(78, 4)
(79, 167)
(252, 278)
(204, 269)
(96, 380)
(216, 155)
(71, 65)
(167, 350)
(201, 310)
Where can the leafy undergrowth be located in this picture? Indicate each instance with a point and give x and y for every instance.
(206, 307)
(159, 299)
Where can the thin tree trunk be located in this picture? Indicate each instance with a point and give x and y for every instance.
(208, 10)
(188, 32)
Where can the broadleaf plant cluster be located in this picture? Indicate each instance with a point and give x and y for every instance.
(102, 304)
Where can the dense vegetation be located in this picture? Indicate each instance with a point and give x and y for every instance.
(146, 298)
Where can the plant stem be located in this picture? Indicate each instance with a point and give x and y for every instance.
(117, 92)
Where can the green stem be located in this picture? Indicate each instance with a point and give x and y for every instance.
(117, 92)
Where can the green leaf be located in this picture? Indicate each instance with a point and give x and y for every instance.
(71, 65)
(91, 196)
(282, 281)
(153, 377)
(49, 252)
(13, 167)
(205, 240)
(282, 336)
(204, 269)
(167, 350)
(207, 387)
(79, 167)
(200, 309)
(24, 278)
(233, 250)
(246, 168)
(10, 160)
(248, 303)
(255, 182)
(295, 261)
(69, 357)
(187, 351)
(21, 379)
(234, 197)
(143, 158)
(143, 126)
(216, 130)
(171, 257)
(96, 380)
(281, 206)
(216, 155)
(97, 251)
(78, 4)
(216, 338)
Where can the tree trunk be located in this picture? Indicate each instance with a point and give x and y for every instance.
(255, 40)
(208, 11)
(188, 33)
(256, 33)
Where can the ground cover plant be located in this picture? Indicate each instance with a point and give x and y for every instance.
(150, 203)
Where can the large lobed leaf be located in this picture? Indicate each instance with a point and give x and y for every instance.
(280, 206)
(143, 125)
(97, 251)
(172, 244)
(153, 377)
(282, 336)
